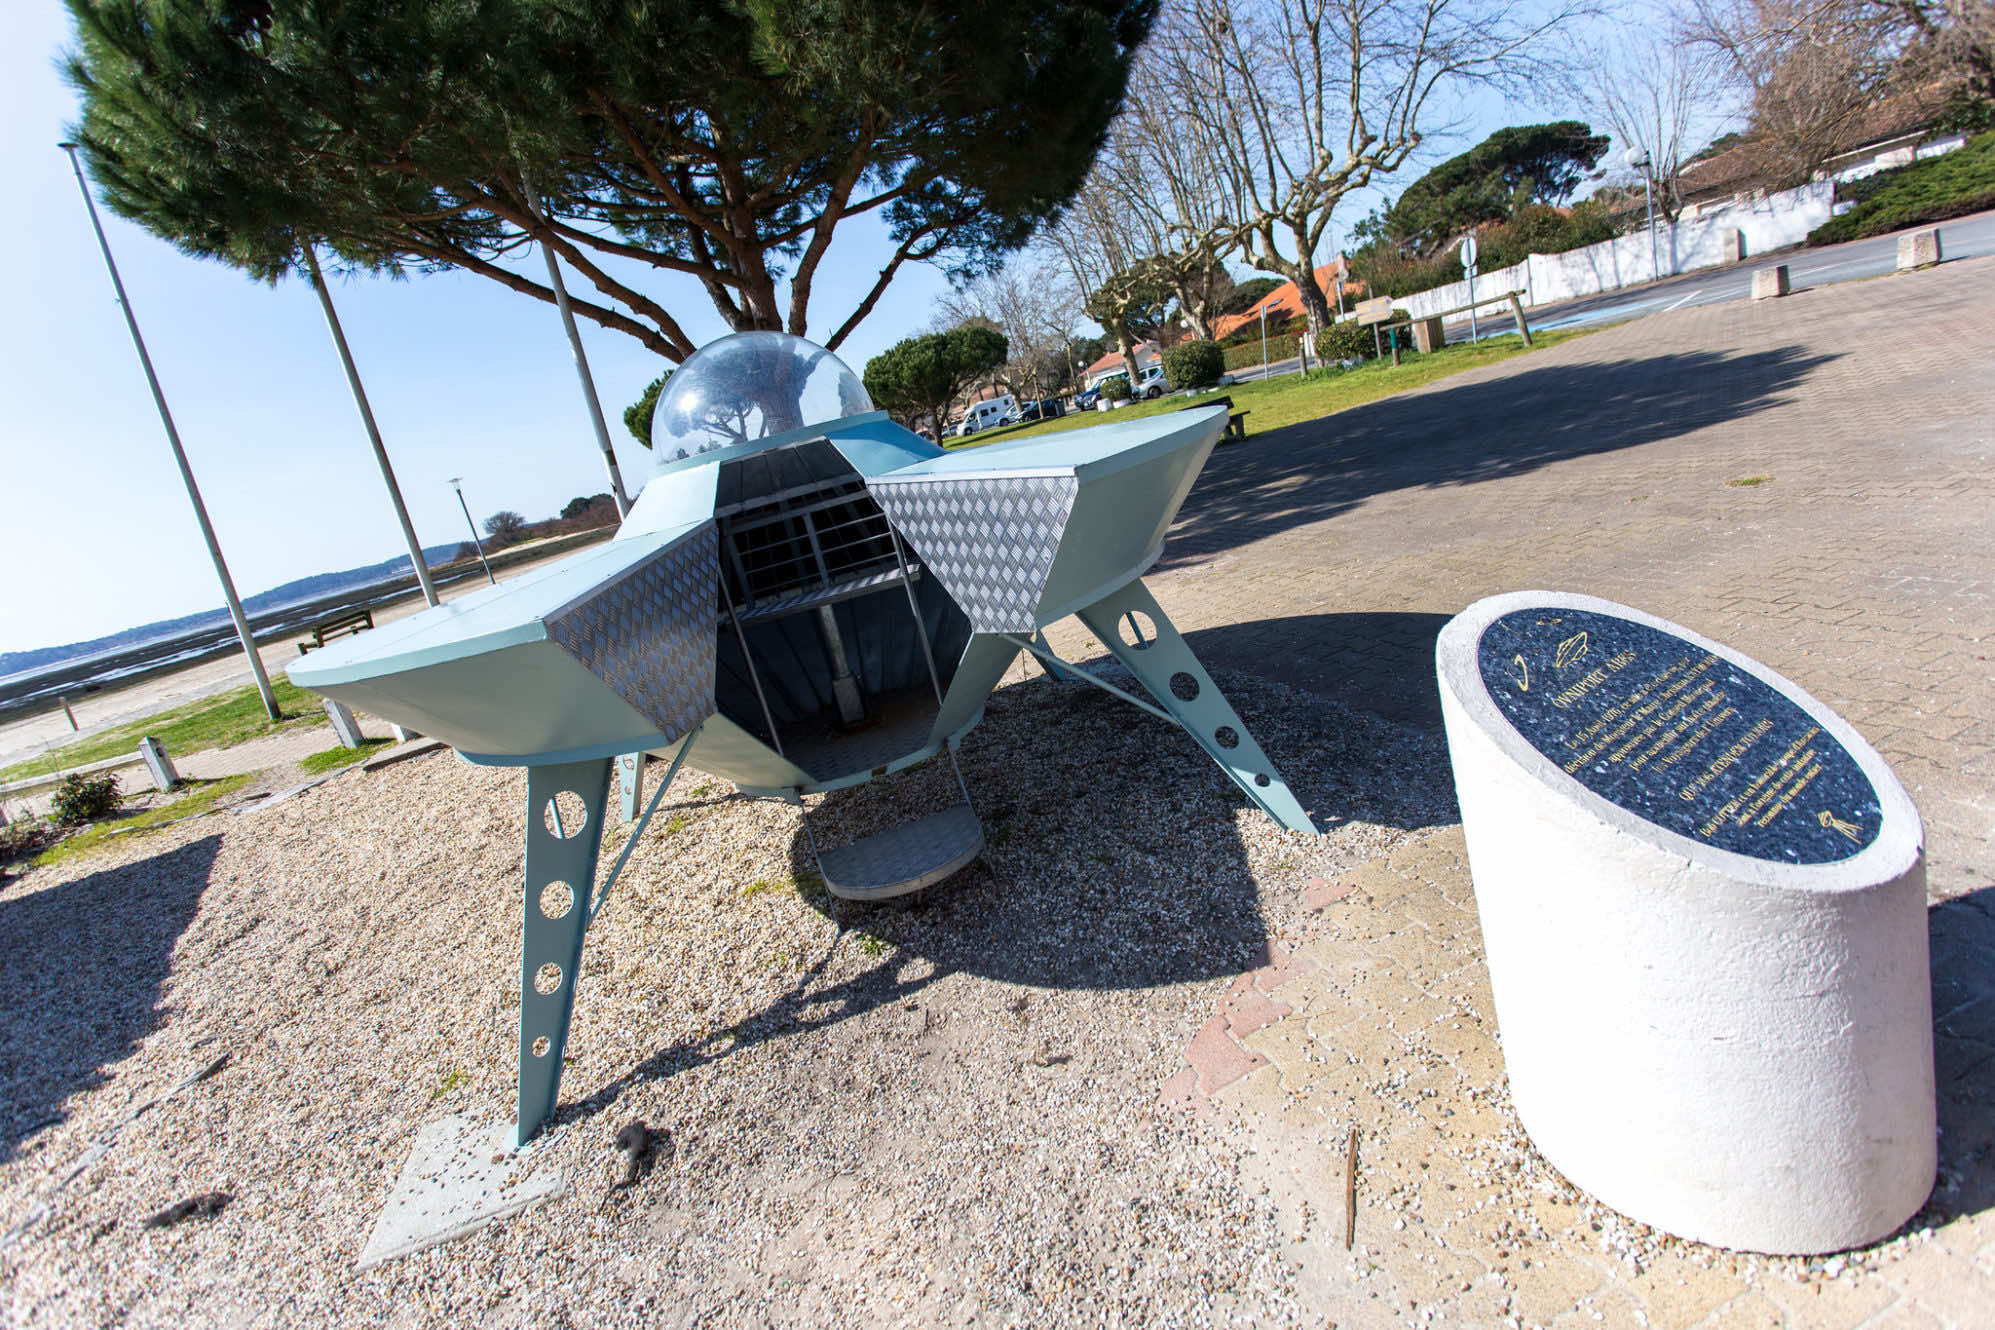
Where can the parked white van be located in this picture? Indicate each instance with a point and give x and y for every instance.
(982, 415)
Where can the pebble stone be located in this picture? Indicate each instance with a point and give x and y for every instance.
(941, 1110)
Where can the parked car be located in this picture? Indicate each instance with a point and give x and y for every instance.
(1046, 408)
(1151, 383)
(1085, 401)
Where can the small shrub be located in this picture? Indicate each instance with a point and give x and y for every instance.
(1349, 340)
(20, 839)
(82, 798)
(1194, 364)
(1116, 389)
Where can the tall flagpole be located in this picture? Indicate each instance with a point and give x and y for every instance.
(367, 418)
(581, 359)
(179, 455)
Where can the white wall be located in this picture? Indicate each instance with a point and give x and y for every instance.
(1772, 222)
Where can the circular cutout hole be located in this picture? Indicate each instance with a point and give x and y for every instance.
(1226, 737)
(540, 1047)
(547, 978)
(1183, 687)
(1137, 630)
(565, 815)
(1263, 781)
(556, 899)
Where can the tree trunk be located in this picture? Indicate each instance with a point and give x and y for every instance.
(1127, 346)
(1195, 303)
(1315, 305)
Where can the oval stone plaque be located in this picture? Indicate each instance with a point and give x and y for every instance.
(1677, 734)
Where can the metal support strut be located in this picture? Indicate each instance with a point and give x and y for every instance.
(561, 854)
(560, 871)
(1130, 623)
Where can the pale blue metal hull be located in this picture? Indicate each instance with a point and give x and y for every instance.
(796, 614)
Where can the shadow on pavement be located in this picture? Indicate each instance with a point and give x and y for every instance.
(1472, 432)
(1377, 662)
(1963, 941)
(88, 961)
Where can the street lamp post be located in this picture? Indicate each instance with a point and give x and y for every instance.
(367, 420)
(457, 483)
(1639, 159)
(179, 454)
(588, 380)
(1264, 339)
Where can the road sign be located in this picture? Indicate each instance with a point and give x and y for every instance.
(1375, 311)
(1468, 252)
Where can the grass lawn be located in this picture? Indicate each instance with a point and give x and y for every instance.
(1292, 398)
(332, 759)
(212, 722)
(199, 797)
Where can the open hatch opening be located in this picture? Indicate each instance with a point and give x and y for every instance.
(819, 595)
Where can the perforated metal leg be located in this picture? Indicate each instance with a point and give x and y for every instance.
(1130, 623)
(566, 804)
(630, 784)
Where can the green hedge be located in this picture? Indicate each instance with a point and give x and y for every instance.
(1251, 332)
(1249, 353)
(1961, 182)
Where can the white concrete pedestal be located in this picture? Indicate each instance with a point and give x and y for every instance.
(1730, 1047)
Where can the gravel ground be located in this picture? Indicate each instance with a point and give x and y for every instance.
(933, 1111)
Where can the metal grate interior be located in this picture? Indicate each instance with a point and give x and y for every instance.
(815, 537)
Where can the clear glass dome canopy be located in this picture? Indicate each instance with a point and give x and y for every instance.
(747, 387)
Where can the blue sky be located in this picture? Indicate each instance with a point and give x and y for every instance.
(466, 378)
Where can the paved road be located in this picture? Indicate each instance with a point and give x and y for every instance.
(1966, 237)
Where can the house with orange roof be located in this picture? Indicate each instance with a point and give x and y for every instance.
(1110, 365)
(1285, 302)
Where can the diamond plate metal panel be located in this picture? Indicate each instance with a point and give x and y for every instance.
(905, 858)
(649, 634)
(991, 540)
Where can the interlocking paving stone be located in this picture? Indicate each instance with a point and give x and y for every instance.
(1861, 564)
(1329, 554)
(1459, 1221)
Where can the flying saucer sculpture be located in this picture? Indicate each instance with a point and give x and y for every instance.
(804, 597)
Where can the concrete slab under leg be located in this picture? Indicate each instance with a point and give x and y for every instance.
(461, 1176)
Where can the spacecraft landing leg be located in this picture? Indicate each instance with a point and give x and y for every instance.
(1130, 623)
(566, 804)
(630, 784)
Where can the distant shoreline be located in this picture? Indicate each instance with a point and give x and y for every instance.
(40, 688)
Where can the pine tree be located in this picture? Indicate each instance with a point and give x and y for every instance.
(723, 139)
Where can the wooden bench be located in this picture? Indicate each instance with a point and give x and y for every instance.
(347, 621)
(1236, 421)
